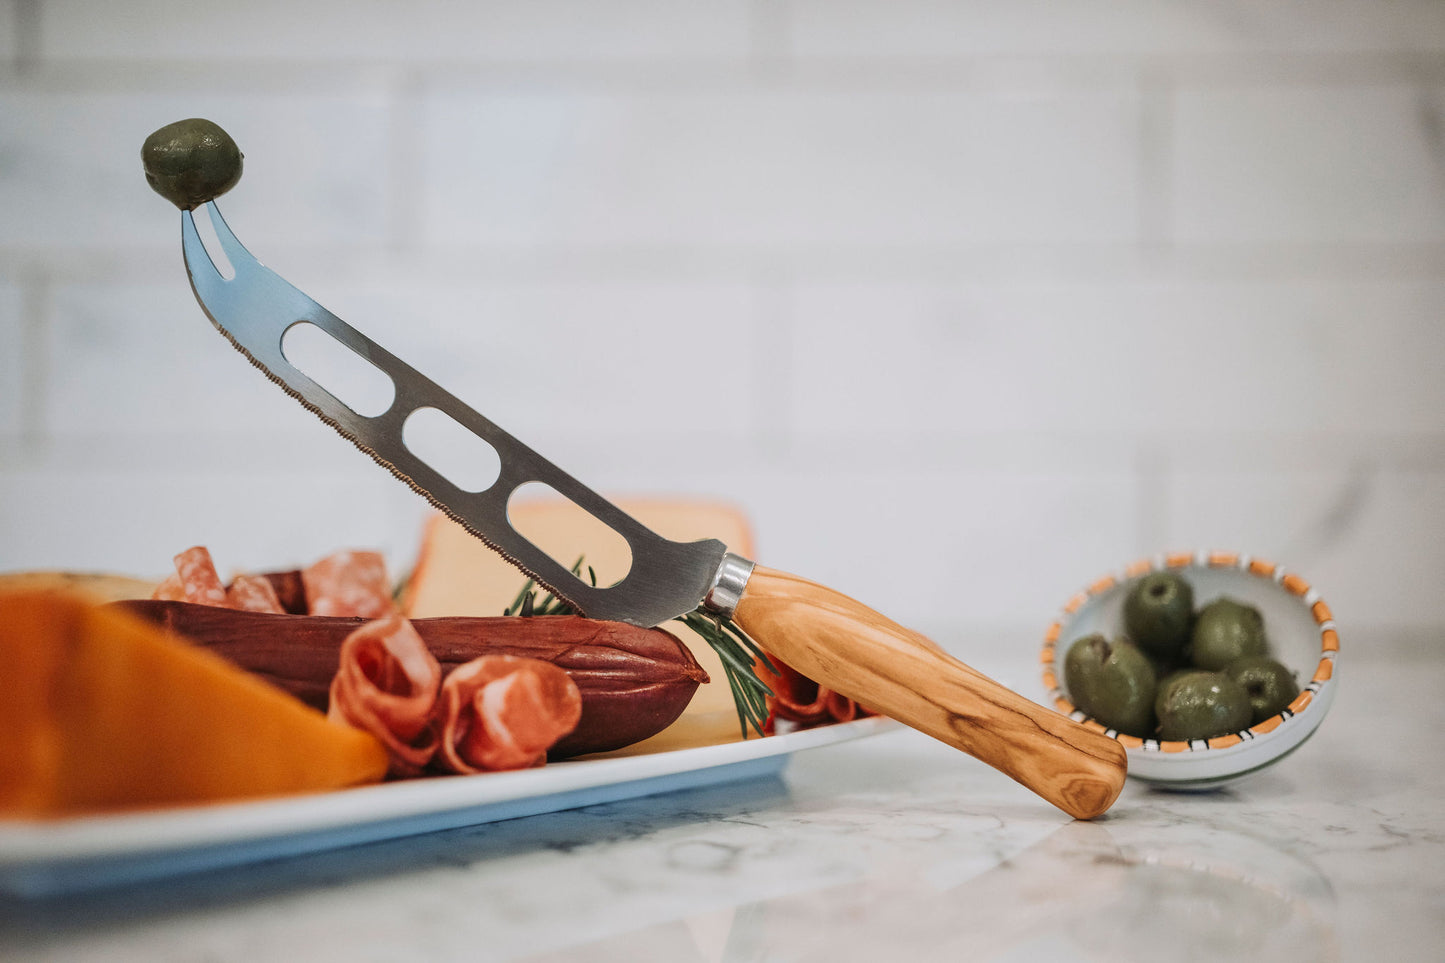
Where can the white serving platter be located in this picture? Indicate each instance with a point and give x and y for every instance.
(54, 857)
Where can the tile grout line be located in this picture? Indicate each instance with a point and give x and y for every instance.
(27, 37)
(769, 405)
(405, 128)
(1152, 470)
(36, 304)
(1156, 169)
(1323, 532)
(769, 41)
(925, 263)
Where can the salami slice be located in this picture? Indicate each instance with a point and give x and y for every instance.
(253, 593)
(170, 589)
(386, 685)
(349, 583)
(199, 581)
(502, 712)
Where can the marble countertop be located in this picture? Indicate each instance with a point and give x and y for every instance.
(891, 847)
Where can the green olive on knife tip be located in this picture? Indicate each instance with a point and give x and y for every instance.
(191, 162)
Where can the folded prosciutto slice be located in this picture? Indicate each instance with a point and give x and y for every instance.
(387, 685)
(504, 712)
(804, 703)
(493, 713)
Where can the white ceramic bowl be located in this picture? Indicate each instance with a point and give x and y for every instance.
(1302, 635)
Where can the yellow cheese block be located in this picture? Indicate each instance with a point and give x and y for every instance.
(105, 712)
(457, 574)
(99, 586)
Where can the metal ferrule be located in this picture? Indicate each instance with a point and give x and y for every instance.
(728, 585)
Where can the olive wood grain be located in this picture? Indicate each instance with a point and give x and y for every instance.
(851, 649)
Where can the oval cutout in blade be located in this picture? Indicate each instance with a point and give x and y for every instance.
(458, 455)
(345, 375)
(570, 532)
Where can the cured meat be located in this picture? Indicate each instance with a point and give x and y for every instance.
(349, 583)
(198, 578)
(195, 580)
(841, 708)
(346, 584)
(170, 589)
(802, 702)
(634, 682)
(501, 712)
(253, 593)
(493, 713)
(290, 591)
(386, 685)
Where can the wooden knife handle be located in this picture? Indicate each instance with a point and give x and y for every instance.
(851, 649)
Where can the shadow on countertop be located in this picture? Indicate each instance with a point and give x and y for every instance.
(27, 921)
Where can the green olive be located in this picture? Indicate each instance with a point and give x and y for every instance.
(191, 162)
(1158, 612)
(1166, 679)
(1111, 683)
(1271, 686)
(1227, 630)
(1201, 705)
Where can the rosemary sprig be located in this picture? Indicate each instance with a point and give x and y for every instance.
(734, 647)
(398, 590)
(737, 652)
(526, 604)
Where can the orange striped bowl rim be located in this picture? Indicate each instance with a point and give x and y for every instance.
(1290, 582)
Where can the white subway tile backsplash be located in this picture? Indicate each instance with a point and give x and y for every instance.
(143, 359)
(427, 30)
(1367, 539)
(938, 547)
(939, 28)
(566, 360)
(73, 177)
(133, 521)
(12, 363)
(1309, 165)
(779, 168)
(926, 546)
(1139, 358)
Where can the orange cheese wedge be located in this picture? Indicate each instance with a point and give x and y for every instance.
(103, 712)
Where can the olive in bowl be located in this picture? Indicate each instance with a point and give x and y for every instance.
(1259, 707)
(1159, 615)
(1113, 682)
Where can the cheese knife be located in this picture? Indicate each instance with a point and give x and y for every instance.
(829, 637)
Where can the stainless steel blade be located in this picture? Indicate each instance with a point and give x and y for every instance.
(256, 307)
